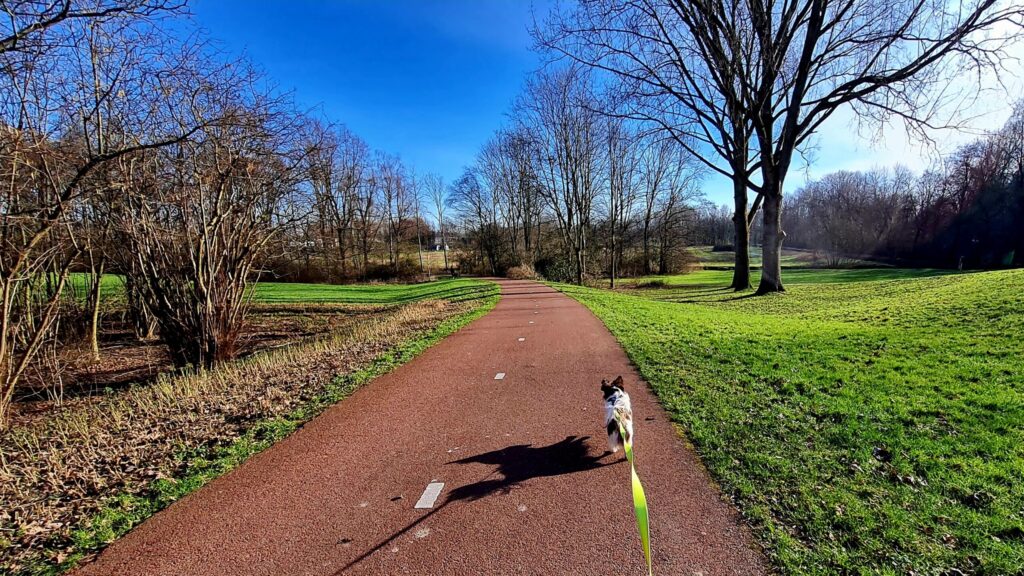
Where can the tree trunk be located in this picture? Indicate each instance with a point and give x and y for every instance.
(741, 240)
(419, 243)
(771, 260)
(444, 248)
(341, 252)
(647, 247)
(580, 271)
(611, 279)
(94, 304)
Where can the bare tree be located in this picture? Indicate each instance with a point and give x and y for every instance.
(507, 163)
(434, 185)
(681, 67)
(81, 90)
(198, 214)
(882, 58)
(338, 168)
(558, 105)
(26, 21)
(623, 165)
(778, 71)
(476, 207)
(394, 186)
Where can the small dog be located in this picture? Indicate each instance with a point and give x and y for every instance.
(616, 406)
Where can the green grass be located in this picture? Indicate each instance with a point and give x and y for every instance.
(721, 278)
(790, 258)
(708, 256)
(871, 424)
(282, 292)
(112, 288)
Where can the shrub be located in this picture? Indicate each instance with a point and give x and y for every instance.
(522, 272)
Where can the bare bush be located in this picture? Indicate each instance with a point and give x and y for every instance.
(522, 272)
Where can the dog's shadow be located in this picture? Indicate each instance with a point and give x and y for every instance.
(521, 462)
(515, 464)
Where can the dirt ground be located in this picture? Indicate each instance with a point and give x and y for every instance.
(125, 360)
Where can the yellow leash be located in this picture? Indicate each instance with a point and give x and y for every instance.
(639, 498)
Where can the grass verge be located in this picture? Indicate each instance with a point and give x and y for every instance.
(864, 427)
(222, 440)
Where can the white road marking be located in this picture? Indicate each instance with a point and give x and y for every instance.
(531, 321)
(422, 533)
(522, 339)
(499, 376)
(430, 495)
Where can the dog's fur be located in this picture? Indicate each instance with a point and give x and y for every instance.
(616, 405)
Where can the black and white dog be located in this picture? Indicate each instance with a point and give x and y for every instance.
(617, 410)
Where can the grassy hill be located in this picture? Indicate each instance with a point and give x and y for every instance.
(867, 422)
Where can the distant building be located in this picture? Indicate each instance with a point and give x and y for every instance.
(436, 245)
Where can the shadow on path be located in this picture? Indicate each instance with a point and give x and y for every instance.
(515, 465)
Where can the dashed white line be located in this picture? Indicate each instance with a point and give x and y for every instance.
(499, 376)
(522, 339)
(430, 494)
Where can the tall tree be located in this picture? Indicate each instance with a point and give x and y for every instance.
(559, 105)
(434, 185)
(783, 68)
(680, 66)
(623, 165)
(83, 85)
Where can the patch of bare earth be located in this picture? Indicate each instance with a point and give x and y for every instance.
(57, 467)
(126, 361)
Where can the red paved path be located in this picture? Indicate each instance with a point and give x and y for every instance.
(526, 490)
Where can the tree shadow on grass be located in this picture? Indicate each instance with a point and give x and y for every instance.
(513, 465)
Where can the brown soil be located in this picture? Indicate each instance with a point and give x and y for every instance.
(125, 360)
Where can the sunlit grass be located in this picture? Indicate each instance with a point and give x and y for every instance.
(281, 292)
(868, 423)
(112, 289)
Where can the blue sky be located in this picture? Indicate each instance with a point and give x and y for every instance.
(432, 80)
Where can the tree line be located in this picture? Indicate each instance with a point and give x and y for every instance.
(573, 192)
(966, 212)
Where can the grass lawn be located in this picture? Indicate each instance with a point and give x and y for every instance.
(791, 258)
(866, 422)
(294, 293)
(284, 292)
(720, 279)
